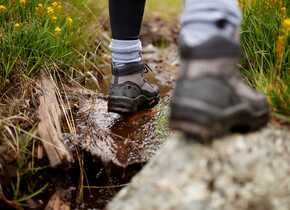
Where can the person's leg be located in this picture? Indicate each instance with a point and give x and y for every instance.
(126, 18)
(210, 98)
(129, 91)
(202, 20)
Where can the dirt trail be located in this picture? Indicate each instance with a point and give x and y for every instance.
(117, 147)
(107, 149)
(125, 141)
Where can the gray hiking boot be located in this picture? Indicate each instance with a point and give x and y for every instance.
(211, 98)
(129, 91)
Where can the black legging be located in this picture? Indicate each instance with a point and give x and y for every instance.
(126, 18)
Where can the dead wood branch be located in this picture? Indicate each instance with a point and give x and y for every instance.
(49, 128)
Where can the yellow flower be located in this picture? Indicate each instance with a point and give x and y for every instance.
(2, 8)
(39, 9)
(57, 31)
(17, 25)
(56, 6)
(69, 22)
(53, 18)
(280, 49)
(286, 24)
(23, 2)
(283, 11)
(50, 11)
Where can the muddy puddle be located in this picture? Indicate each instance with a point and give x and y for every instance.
(127, 140)
(117, 147)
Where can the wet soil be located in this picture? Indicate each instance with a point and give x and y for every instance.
(126, 140)
(110, 148)
(117, 147)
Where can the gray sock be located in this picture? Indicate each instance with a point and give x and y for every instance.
(126, 51)
(200, 20)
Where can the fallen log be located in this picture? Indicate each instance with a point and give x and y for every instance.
(49, 128)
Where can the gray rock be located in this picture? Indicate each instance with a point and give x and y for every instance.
(238, 172)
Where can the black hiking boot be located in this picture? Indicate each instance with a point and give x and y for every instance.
(210, 98)
(129, 91)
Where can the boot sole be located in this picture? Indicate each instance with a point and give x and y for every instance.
(204, 122)
(125, 105)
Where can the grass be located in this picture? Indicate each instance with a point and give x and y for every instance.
(265, 42)
(34, 34)
(22, 145)
(161, 122)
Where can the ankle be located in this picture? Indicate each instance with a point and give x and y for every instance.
(130, 72)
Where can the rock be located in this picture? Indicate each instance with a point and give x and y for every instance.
(249, 172)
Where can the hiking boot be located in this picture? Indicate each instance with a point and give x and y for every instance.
(211, 98)
(129, 91)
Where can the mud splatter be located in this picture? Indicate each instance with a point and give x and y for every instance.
(120, 140)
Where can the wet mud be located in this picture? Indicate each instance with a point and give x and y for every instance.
(126, 140)
(117, 147)
(109, 149)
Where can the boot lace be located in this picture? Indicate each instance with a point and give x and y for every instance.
(147, 68)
